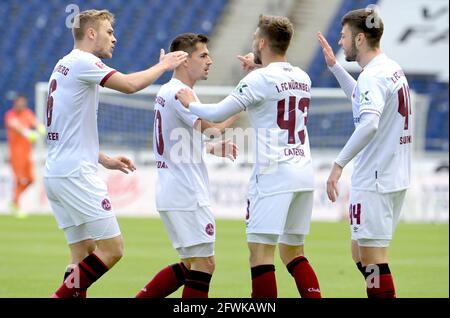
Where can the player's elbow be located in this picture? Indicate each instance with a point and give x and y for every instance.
(130, 85)
(372, 129)
(370, 124)
(375, 123)
(130, 88)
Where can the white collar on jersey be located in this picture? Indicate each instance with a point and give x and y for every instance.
(279, 64)
(380, 57)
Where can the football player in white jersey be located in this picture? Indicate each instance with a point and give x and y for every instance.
(280, 197)
(380, 146)
(182, 191)
(79, 199)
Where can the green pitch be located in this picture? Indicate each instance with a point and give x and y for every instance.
(33, 256)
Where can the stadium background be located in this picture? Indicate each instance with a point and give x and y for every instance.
(34, 36)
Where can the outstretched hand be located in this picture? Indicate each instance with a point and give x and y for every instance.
(185, 96)
(327, 50)
(173, 59)
(121, 163)
(248, 62)
(223, 148)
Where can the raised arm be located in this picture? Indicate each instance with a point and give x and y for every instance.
(346, 81)
(134, 82)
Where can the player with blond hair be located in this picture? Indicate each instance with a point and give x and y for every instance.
(78, 197)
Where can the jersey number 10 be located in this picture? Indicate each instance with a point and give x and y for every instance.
(289, 124)
(158, 133)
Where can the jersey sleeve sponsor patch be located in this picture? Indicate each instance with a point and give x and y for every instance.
(100, 64)
(371, 95)
(250, 90)
(92, 70)
(240, 88)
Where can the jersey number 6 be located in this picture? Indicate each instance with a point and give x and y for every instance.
(51, 89)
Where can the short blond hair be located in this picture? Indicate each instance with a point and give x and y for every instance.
(90, 18)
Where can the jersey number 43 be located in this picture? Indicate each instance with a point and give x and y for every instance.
(290, 123)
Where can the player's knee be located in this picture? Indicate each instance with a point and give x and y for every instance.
(355, 251)
(254, 256)
(257, 258)
(79, 256)
(287, 257)
(291, 247)
(114, 252)
(210, 264)
(373, 251)
(91, 248)
(204, 264)
(118, 252)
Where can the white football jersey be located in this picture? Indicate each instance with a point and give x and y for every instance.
(277, 99)
(182, 176)
(384, 165)
(72, 135)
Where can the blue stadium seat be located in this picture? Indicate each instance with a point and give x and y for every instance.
(32, 29)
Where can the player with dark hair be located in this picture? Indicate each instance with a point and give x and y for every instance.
(380, 146)
(182, 191)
